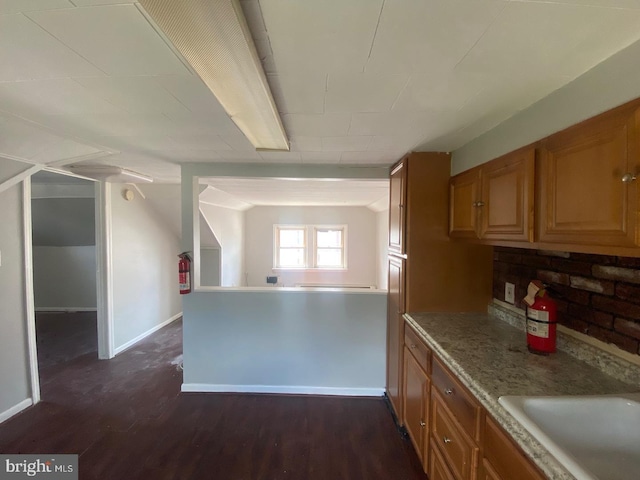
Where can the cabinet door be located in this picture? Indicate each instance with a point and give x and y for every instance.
(416, 400)
(438, 469)
(395, 334)
(505, 459)
(583, 196)
(508, 197)
(464, 196)
(397, 214)
(488, 473)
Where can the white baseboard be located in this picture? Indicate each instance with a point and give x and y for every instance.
(298, 390)
(7, 414)
(66, 309)
(144, 335)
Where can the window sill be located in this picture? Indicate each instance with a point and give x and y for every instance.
(304, 269)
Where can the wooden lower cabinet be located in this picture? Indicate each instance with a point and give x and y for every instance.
(503, 460)
(488, 473)
(416, 405)
(458, 449)
(453, 435)
(438, 469)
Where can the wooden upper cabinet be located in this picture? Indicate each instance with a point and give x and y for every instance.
(397, 215)
(507, 200)
(588, 194)
(496, 200)
(464, 194)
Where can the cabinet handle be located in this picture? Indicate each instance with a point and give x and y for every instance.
(479, 204)
(422, 424)
(413, 345)
(446, 440)
(448, 391)
(628, 178)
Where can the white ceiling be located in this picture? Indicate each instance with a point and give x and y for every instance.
(244, 193)
(356, 81)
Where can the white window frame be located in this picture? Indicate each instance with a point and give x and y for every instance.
(343, 247)
(276, 246)
(310, 246)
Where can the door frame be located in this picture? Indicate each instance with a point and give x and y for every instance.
(104, 280)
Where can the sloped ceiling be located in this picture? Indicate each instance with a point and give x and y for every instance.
(356, 82)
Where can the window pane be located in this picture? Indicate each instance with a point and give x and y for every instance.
(329, 257)
(329, 238)
(291, 257)
(292, 238)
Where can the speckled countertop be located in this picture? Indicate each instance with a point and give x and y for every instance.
(491, 359)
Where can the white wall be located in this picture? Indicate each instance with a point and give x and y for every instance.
(382, 264)
(285, 342)
(210, 267)
(145, 269)
(228, 227)
(361, 244)
(14, 365)
(64, 252)
(64, 277)
(609, 84)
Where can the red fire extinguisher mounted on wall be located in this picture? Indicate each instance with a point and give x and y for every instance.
(542, 317)
(184, 273)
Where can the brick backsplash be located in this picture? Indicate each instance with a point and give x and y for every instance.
(596, 294)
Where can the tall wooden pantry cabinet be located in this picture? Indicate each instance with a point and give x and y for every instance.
(427, 271)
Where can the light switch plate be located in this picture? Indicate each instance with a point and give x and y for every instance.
(509, 293)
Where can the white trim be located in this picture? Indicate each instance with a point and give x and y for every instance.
(66, 309)
(144, 335)
(283, 389)
(19, 177)
(7, 414)
(34, 375)
(104, 271)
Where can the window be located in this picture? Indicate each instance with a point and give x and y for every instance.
(291, 247)
(310, 246)
(329, 243)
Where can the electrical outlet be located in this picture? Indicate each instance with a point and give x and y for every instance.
(510, 293)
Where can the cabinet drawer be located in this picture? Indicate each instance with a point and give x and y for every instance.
(504, 456)
(458, 400)
(438, 469)
(416, 346)
(458, 450)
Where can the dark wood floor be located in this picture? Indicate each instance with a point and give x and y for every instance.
(127, 420)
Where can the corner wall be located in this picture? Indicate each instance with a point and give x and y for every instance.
(382, 270)
(64, 252)
(145, 270)
(15, 389)
(229, 228)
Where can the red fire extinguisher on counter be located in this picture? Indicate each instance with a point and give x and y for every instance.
(542, 317)
(184, 273)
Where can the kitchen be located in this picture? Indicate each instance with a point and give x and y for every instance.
(473, 140)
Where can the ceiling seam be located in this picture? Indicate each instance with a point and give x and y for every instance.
(481, 36)
(395, 100)
(64, 44)
(375, 33)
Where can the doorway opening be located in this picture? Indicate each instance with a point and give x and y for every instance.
(65, 274)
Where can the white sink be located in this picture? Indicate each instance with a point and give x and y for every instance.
(594, 437)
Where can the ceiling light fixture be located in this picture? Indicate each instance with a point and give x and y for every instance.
(108, 173)
(213, 37)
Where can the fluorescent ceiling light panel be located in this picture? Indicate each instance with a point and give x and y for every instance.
(213, 37)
